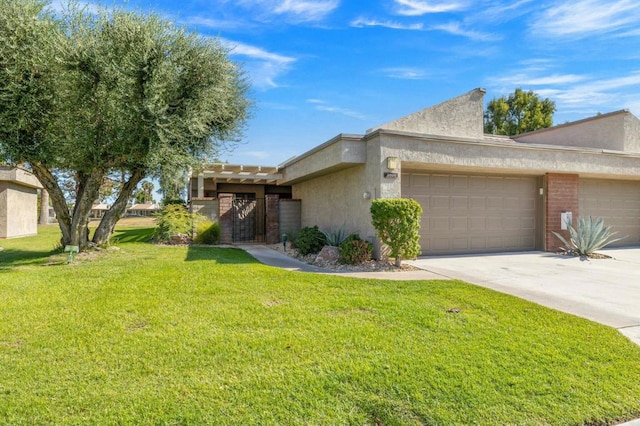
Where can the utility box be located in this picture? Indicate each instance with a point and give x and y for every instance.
(566, 219)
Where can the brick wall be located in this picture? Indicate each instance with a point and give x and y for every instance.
(561, 196)
(225, 215)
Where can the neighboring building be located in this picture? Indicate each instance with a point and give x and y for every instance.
(480, 193)
(144, 209)
(98, 210)
(18, 203)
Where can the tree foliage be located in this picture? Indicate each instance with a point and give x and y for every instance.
(89, 94)
(397, 223)
(520, 112)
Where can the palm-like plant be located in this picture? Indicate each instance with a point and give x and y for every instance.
(589, 236)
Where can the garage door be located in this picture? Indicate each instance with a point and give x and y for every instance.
(474, 214)
(617, 202)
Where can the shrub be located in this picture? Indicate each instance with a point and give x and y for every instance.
(397, 223)
(354, 251)
(591, 235)
(173, 219)
(310, 240)
(336, 237)
(207, 232)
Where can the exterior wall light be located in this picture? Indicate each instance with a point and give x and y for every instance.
(366, 195)
(392, 163)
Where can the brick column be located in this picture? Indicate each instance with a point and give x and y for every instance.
(225, 217)
(561, 196)
(272, 218)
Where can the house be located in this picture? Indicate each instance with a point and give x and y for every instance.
(98, 210)
(143, 209)
(480, 193)
(18, 202)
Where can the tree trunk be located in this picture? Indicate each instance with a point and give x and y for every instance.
(44, 207)
(74, 226)
(398, 262)
(87, 193)
(58, 201)
(111, 216)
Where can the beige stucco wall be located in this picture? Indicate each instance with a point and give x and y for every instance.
(341, 152)
(337, 199)
(18, 210)
(206, 207)
(460, 117)
(617, 131)
(431, 153)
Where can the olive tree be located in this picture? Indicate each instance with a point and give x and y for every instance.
(105, 92)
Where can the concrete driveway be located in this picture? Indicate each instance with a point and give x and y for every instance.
(603, 290)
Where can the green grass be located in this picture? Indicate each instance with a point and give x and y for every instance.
(176, 335)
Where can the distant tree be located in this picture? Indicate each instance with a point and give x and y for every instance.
(520, 112)
(85, 95)
(144, 194)
(173, 179)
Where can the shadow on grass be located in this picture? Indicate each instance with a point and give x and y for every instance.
(132, 235)
(219, 255)
(11, 258)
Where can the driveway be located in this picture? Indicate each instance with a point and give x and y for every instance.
(603, 290)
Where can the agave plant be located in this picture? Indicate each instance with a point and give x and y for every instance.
(336, 237)
(589, 236)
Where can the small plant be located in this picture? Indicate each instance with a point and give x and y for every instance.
(397, 223)
(310, 240)
(354, 251)
(207, 232)
(174, 220)
(336, 237)
(589, 236)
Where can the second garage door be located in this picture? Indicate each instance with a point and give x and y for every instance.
(617, 203)
(474, 214)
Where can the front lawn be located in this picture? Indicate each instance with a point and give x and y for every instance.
(176, 335)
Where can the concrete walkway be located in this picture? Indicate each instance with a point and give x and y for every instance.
(272, 257)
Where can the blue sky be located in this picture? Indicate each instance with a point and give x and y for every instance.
(323, 67)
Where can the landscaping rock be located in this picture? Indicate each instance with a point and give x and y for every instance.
(328, 254)
(179, 240)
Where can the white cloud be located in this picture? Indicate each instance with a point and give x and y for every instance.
(498, 11)
(582, 18)
(217, 24)
(292, 10)
(576, 94)
(421, 7)
(405, 73)
(307, 10)
(321, 105)
(263, 66)
(456, 29)
(363, 22)
(523, 79)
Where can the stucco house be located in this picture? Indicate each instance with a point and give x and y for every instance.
(18, 203)
(480, 193)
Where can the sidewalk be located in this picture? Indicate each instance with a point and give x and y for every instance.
(272, 257)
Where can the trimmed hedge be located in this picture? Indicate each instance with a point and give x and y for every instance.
(397, 223)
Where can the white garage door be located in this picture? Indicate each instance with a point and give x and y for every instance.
(474, 214)
(617, 202)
